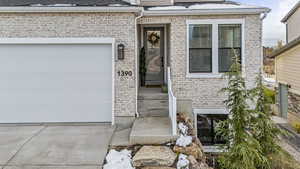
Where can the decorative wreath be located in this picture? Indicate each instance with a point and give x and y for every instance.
(153, 38)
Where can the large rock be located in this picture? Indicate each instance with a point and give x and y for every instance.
(193, 149)
(194, 164)
(154, 156)
(187, 120)
(161, 167)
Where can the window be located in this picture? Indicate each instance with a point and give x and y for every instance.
(200, 48)
(211, 46)
(229, 45)
(206, 128)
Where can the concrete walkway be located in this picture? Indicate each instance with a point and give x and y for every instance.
(54, 147)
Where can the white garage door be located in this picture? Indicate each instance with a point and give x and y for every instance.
(55, 83)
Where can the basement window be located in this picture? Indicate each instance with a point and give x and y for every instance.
(206, 128)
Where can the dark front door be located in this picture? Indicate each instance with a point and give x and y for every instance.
(154, 56)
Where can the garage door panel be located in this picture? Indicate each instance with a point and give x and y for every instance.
(54, 97)
(55, 83)
(55, 58)
(80, 113)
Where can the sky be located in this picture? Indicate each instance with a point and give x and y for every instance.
(273, 29)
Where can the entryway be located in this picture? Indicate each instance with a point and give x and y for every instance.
(153, 96)
(152, 65)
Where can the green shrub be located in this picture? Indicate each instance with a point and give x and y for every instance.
(164, 89)
(270, 94)
(297, 127)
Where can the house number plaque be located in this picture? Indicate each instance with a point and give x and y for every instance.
(123, 73)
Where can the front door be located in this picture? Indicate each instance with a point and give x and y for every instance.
(154, 56)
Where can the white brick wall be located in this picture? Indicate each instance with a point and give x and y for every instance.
(116, 25)
(204, 93)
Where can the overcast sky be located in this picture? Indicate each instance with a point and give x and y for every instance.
(273, 30)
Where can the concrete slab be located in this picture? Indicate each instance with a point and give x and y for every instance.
(124, 122)
(152, 130)
(12, 138)
(279, 120)
(66, 146)
(121, 138)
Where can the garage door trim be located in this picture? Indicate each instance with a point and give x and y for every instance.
(109, 41)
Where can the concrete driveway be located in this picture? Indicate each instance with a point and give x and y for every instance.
(54, 147)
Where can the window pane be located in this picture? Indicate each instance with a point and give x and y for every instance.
(229, 45)
(200, 60)
(230, 36)
(200, 36)
(200, 48)
(225, 58)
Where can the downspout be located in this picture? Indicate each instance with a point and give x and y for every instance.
(264, 15)
(136, 62)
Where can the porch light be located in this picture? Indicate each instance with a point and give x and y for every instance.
(121, 48)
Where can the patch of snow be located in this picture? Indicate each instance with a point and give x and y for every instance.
(183, 128)
(205, 6)
(54, 5)
(270, 82)
(162, 8)
(116, 5)
(183, 162)
(184, 141)
(118, 160)
(220, 6)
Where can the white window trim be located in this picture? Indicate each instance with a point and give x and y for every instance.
(215, 45)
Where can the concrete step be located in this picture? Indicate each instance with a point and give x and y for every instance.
(151, 130)
(154, 108)
(152, 94)
(153, 104)
(154, 113)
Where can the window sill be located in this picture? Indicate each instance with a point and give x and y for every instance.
(204, 75)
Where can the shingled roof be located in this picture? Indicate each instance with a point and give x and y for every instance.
(62, 2)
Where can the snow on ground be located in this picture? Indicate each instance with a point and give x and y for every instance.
(183, 128)
(118, 160)
(184, 141)
(183, 162)
(270, 82)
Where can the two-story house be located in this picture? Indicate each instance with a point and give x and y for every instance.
(287, 69)
(97, 60)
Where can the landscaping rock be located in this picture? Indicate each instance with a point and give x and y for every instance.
(193, 150)
(160, 167)
(154, 156)
(194, 164)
